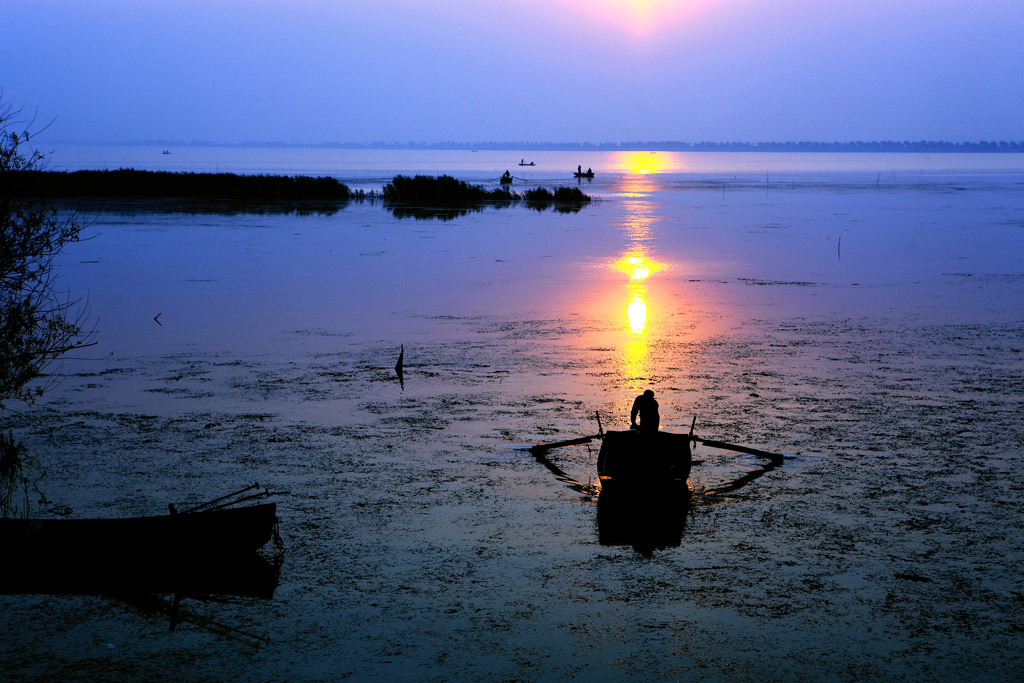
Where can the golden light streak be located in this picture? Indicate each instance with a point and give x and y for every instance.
(637, 266)
(636, 313)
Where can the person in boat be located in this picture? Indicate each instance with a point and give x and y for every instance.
(579, 169)
(507, 175)
(646, 407)
(589, 172)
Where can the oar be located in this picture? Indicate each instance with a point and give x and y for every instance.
(742, 449)
(545, 447)
(217, 500)
(542, 448)
(776, 458)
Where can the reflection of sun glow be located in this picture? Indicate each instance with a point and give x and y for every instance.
(646, 163)
(637, 313)
(637, 267)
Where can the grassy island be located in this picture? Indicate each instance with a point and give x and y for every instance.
(447, 197)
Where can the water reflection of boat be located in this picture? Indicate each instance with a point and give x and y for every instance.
(243, 574)
(647, 517)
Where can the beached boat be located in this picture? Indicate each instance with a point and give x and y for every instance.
(636, 457)
(247, 573)
(142, 540)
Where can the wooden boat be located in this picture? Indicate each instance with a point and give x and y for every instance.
(644, 497)
(220, 531)
(527, 164)
(583, 174)
(505, 180)
(643, 458)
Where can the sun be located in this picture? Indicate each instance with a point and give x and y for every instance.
(641, 18)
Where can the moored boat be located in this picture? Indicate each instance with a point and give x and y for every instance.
(219, 531)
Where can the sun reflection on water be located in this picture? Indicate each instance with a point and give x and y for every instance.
(636, 313)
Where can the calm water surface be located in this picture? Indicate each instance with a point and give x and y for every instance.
(861, 313)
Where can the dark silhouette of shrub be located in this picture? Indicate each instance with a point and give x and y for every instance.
(441, 191)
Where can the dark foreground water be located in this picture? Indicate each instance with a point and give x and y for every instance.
(869, 325)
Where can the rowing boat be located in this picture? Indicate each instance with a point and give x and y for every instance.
(643, 457)
(218, 531)
(586, 174)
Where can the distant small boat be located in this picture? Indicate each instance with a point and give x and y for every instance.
(583, 174)
(523, 163)
(167, 151)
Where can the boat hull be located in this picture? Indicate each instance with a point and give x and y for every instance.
(639, 457)
(228, 530)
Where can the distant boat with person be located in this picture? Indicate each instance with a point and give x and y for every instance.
(522, 162)
(580, 173)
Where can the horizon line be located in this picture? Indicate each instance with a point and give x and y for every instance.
(649, 145)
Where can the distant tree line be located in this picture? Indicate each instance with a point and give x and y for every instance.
(658, 145)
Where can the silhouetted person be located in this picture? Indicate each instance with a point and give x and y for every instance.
(647, 408)
(579, 169)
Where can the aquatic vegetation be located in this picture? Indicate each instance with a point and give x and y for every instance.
(129, 191)
(441, 191)
(129, 183)
(564, 199)
(446, 197)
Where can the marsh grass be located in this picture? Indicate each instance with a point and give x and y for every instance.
(128, 191)
(446, 197)
(129, 183)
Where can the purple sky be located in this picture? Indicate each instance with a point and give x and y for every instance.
(309, 71)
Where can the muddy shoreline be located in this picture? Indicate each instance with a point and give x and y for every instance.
(423, 541)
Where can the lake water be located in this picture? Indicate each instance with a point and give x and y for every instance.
(863, 314)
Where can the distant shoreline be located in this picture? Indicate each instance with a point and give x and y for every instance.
(884, 146)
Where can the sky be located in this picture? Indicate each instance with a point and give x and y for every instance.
(315, 71)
